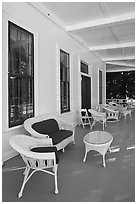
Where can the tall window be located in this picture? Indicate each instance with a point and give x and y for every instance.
(20, 74)
(64, 81)
(100, 87)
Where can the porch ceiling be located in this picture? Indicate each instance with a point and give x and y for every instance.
(107, 29)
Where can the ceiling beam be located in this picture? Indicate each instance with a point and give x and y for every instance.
(120, 69)
(118, 58)
(121, 64)
(113, 46)
(106, 12)
(101, 22)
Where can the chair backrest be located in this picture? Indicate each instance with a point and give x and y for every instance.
(46, 126)
(113, 114)
(28, 124)
(121, 107)
(99, 108)
(96, 113)
(112, 107)
(113, 103)
(84, 113)
(116, 107)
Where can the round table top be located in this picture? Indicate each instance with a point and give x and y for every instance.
(98, 137)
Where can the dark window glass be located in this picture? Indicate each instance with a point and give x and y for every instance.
(100, 87)
(20, 74)
(64, 81)
(84, 67)
(120, 85)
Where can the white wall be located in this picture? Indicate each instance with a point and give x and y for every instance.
(49, 38)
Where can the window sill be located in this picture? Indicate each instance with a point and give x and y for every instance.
(66, 113)
(12, 128)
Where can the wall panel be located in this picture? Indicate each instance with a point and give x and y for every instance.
(47, 36)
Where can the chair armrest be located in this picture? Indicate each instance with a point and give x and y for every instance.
(45, 141)
(66, 125)
(34, 155)
(33, 133)
(100, 114)
(110, 110)
(96, 113)
(38, 135)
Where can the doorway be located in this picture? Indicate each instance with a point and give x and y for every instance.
(85, 92)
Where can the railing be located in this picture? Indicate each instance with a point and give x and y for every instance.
(124, 102)
(118, 101)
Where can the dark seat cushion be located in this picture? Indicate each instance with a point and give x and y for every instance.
(46, 149)
(60, 135)
(46, 126)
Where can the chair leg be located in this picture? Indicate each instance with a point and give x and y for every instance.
(85, 154)
(89, 123)
(26, 169)
(104, 163)
(93, 124)
(103, 126)
(73, 141)
(125, 116)
(24, 181)
(109, 149)
(55, 177)
(82, 123)
(130, 115)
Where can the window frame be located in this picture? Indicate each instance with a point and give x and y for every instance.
(28, 77)
(65, 82)
(100, 86)
(86, 65)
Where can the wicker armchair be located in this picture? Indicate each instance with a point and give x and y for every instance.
(98, 117)
(36, 160)
(111, 113)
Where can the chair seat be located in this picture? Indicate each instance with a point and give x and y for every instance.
(46, 149)
(60, 135)
(112, 119)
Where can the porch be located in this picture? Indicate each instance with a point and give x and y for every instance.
(78, 181)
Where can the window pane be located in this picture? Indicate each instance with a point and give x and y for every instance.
(14, 51)
(84, 67)
(24, 42)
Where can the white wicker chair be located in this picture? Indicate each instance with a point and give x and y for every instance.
(62, 125)
(85, 119)
(35, 161)
(112, 114)
(125, 112)
(98, 117)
